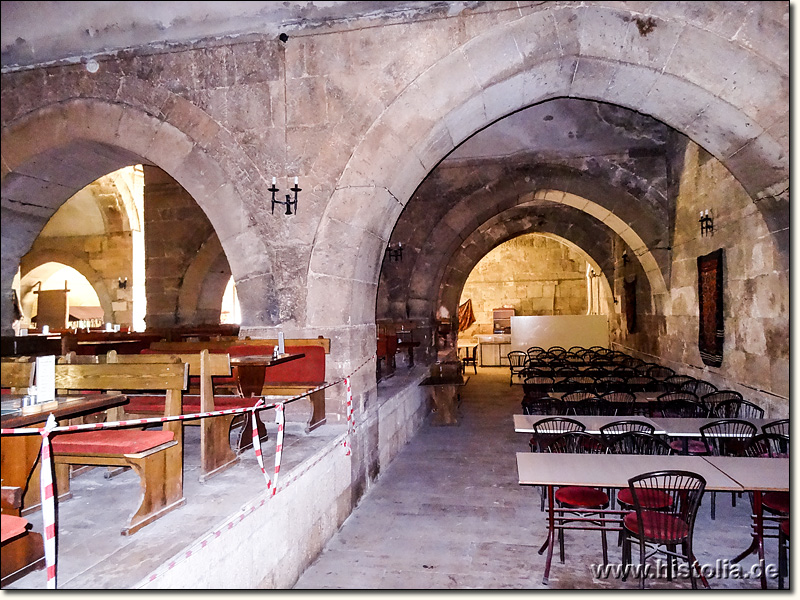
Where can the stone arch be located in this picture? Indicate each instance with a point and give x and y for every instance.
(38, 258)
(522, 62)
(511, 223)
(204, 284)
(108, 136)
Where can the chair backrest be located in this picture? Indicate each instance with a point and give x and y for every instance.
(660, 372)
(617, 396)
(674, 382)
(540, 405)
(537, 386)
(772, 445)
(577, 396)
(720, 396)
(727, 437)
(699, 387)
(594, 407)
(780, 426)
(577, 442)
(616, 428)
(736, 409)
(639, 442)
(517, 358)
(680, 404)
(685, 490)
(547, 429)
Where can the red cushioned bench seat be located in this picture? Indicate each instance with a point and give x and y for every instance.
(11, 527)
(110, 441)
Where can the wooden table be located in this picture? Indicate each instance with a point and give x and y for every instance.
(19, 467)
(757, 475)
(250, 371)
(409, 345)
(525, 423)
(605, 471)
(444, 395)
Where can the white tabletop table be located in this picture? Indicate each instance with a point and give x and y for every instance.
(757, 475)
(605, 471)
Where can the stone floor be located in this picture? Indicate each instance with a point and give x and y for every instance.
(448, 513)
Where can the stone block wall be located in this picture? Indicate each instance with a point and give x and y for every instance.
(756, 289)
(176, 228)
(535, 274)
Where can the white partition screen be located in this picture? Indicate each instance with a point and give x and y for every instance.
(559, 330)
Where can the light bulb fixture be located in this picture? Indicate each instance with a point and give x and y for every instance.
(289, 202)
(706, 223)
(395, 252)
(122, 283)
(625, 258)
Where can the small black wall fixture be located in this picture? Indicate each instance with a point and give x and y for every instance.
(122, 283)
(289, 202)
(395, 252)
(706, 223)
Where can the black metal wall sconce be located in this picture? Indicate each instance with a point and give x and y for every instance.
(706, 223)
(395, 252)
(122, 282)
(289, 202)
(625, 258)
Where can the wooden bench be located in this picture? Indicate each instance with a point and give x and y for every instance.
(155, 455)
(22, 549)
(216, 454)
(282, 381)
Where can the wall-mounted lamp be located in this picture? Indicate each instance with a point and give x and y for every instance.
(289, 202)
(625, 258)
(395, 252)
(122, 282)
(706, 223)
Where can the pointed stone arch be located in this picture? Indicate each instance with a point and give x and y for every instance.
(587, 51)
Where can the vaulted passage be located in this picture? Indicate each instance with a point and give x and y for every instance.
(602, 150)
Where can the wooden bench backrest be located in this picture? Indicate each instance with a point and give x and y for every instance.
(214, 345)
(217, 364)
(16, 374)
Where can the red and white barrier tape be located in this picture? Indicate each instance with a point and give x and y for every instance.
(48, 504)
(46, 476)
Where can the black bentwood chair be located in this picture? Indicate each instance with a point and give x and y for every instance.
(667, 529)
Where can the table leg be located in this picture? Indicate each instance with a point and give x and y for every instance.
(759, 516)
(551, 530)
(411, 356)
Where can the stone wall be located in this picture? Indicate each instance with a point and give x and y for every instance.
(175, 231)
(537, 275)
(756, 289)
